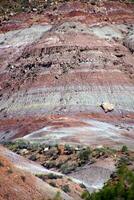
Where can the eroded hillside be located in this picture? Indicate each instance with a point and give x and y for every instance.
(66, 77)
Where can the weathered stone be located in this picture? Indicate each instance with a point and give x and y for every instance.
(107, 107)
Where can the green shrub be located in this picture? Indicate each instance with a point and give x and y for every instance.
(66, 168)
(124, 149)
(120, 189)
(84, 154)
(66, 188)
(53, 176)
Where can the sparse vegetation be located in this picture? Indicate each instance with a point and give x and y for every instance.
(7, 6)
(104, 151)
(17, 145)
(64, 158)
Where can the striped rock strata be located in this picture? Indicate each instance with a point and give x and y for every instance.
(56, 71)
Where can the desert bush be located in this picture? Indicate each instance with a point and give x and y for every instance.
(57, 196)
(124, 149)
(23, 178)
(33, 158)
(66, 188)
(1, 164)
(53, 176)
(124, 161)
(16, 145)
(104, 151)
(41, 176)
(84, 154)
(52, 184)
(9, 171)
(66, 168)
(44, 177)
(49, 164)
(68, 149)
(82, 185)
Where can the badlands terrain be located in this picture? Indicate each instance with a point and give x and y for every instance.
(66, 96)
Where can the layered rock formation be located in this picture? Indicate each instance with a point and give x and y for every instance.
(58, 67)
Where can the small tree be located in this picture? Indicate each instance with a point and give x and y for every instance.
(124, 149)
(84, 154)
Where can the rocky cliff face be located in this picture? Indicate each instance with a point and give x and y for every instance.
(56, 69)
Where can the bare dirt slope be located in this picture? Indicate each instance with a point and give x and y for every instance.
(18, 180)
